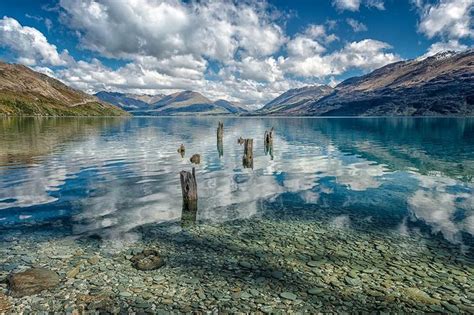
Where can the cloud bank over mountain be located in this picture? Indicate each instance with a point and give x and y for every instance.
(240, 51)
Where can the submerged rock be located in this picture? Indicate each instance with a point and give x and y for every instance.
(4, 303)
(450, 307)
(149, 259)
(32, 281)
(313, 263)
(419, 296)
(289, 296)
(73, 272)
(315, 291)
(101, 303)
(245, 264)
(352, 281)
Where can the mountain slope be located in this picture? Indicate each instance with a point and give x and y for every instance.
(292, 100)
(27, 92)
(149, 99)
(129, 102)
(232, 107)
(438, 85)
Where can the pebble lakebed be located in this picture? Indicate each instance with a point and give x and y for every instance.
(269, 265)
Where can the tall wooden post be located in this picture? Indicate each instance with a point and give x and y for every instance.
(247, 160)
(189, 190)
(220, 130)
(220, 136)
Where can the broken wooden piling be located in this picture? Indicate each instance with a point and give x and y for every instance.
(189, 190)
(195, 159)
(220, 136)
(181, 150)
(268, 137)
(247, 160)
(220, 130)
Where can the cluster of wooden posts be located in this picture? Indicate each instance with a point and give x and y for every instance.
(188, 179)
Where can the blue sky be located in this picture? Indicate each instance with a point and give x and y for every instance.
(244, 51)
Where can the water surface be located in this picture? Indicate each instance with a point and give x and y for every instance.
(108, 176)
(339, 191)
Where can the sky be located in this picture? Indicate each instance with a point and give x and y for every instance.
(246, 51)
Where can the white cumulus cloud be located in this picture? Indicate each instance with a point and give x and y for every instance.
(356, 25)
(213, 29)
(351, 5)
(367, 54)
(446, 18)
(354, 5)
(233, 50)
(29, 44)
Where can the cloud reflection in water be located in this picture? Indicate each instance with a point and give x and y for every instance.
(117, 177)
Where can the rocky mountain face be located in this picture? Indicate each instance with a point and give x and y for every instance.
(27, 92)
(232, 107)
(292, 101)
(180, 103)
(441, 85)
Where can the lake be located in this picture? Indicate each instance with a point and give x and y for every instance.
(339, 214)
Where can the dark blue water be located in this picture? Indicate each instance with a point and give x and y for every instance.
(110, 176)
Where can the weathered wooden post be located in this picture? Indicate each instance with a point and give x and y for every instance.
(195, 159)
(220, 130)
(247, 160)
(220, 136)
(190, 196)
(268, 137)
(181, 150)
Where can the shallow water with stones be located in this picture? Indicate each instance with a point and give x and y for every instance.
(343, 214)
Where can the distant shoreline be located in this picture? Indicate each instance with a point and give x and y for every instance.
(227, 116)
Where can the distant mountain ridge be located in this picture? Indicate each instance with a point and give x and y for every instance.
(293, 99)
(179, 103)
(129, 102)
(27, 92)
(439, 85)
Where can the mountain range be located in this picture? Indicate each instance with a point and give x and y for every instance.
(180, 103)
(441, 85)
(27, 92)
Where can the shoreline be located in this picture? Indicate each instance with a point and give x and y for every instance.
(232, 116)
